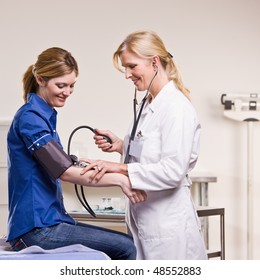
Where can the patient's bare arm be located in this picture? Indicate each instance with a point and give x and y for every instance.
(73, 175)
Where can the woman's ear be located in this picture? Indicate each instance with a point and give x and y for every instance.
(155, 62)
(40, 80)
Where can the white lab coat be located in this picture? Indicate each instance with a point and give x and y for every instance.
(166, 225)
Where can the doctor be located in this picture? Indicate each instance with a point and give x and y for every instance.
(163, 149)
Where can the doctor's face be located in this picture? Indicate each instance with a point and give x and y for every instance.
(138, 69)
(56, 90)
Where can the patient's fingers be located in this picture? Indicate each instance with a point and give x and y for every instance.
(137, 196)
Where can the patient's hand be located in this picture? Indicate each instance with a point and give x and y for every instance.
(134, 195)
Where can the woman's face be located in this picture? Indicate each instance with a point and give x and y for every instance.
(139, 70)
(55, 91)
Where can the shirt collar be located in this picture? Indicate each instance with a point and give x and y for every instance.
(42, 107)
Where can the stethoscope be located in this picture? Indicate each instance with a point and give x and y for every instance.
(136, 119)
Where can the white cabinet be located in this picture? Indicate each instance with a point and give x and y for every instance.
(4, 126)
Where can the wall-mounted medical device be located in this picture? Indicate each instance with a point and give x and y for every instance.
(245, 108)
(241, 107)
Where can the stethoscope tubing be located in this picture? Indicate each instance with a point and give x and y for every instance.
(136, 120)
(82, 198)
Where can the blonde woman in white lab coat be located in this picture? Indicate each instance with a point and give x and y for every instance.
(163, 150)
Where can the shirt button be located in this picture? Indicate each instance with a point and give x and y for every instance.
(54, 130)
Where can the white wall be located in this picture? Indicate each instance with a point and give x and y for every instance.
(216, 44)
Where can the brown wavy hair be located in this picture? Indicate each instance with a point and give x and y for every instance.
(51, 63)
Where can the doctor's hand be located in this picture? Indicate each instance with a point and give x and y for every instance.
(101, 167)
(117, 143)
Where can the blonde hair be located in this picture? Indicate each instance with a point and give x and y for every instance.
(146, 44)
(51, 63)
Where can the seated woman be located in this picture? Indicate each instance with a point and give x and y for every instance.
(37, 164)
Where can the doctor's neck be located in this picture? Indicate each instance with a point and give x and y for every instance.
(159, 82)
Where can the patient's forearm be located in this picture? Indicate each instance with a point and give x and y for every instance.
(72, 175)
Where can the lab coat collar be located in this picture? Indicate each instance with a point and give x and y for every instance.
(168, 88)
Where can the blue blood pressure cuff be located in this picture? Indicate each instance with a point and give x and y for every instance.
(53, 159)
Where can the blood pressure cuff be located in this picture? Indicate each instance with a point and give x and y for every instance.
(53, 159)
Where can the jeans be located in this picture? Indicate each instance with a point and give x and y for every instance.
(117, 245)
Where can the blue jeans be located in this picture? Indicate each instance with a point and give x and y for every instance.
(117, 245)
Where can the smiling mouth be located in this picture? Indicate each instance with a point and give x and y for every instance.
(62, 99)
(135, 81)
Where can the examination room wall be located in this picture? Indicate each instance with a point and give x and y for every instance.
(216, 44)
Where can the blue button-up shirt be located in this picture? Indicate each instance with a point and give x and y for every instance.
(35, 200)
